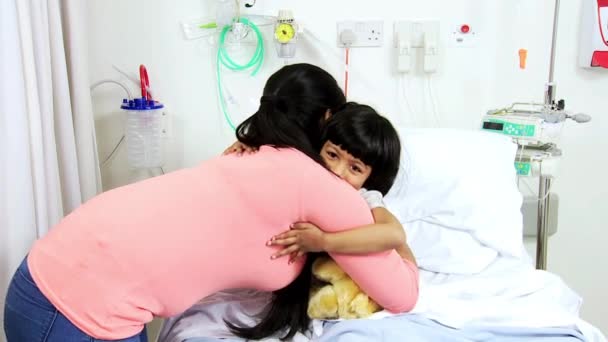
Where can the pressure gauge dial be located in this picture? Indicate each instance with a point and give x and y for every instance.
(284, 32)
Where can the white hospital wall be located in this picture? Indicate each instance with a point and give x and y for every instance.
(469, 81)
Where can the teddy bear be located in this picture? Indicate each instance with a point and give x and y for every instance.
(337, 295)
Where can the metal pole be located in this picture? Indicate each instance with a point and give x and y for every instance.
(554, 40)
(545, 180)
(543, 213)
(550, 88)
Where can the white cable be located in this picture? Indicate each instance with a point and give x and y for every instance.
(133, 78)
(238, 10)
(271, 19)
(531, 191)
(521, 153)
(519, 159)
(129, 96)
(536, 198)
(98, 83)
(432, 100)
(403, 89)
(435, 100)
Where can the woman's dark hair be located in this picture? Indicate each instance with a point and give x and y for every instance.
(292, 109)
(292, 113)
(366, 135)
(287, 311)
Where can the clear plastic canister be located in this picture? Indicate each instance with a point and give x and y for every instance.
(144, 133)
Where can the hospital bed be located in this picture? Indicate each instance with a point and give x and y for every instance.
(457, 197)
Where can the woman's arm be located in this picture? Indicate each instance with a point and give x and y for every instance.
(406, 253)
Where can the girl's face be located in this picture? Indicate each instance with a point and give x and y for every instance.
(344, 165)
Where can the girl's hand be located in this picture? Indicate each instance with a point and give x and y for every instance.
(303, 237)
(239, 148)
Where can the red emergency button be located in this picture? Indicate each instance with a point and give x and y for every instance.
(465, 28)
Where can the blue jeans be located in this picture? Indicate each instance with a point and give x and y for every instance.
(30, 317)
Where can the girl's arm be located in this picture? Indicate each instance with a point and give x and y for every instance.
(239, 148)
(385, 234)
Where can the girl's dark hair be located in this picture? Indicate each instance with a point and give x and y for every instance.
(366, 135)
(292, 109)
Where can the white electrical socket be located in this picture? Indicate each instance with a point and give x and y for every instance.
(403, 43)
(416, 31)
(368, 33)
(417, 34)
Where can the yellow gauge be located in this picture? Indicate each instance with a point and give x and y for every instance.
(284, 32)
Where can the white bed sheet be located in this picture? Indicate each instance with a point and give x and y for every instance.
(508, 293)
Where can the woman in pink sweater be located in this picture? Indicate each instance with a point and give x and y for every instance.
(363, 149)
(155, 247)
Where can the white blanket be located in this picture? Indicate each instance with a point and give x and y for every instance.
(509, 293)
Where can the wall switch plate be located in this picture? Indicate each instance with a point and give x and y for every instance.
(368, 33)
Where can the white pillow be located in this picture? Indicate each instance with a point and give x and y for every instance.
(445, 250)
(464, 182)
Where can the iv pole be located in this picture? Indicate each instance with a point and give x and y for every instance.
(545, 180)
(550, 90)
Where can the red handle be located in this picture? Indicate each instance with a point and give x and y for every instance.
(144, 82)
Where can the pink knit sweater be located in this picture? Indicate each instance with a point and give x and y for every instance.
(155, 247)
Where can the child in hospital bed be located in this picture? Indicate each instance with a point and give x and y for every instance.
(363, 149)
(354, 141)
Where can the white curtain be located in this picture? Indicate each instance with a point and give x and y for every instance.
(48, 155)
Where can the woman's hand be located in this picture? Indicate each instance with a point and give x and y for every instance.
(239, 148)
(302, 238)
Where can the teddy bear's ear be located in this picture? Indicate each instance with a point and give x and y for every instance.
(320, 262)
(326, 269)
(363, 306)
(323, 303)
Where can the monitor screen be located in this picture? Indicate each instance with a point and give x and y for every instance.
(496, 126)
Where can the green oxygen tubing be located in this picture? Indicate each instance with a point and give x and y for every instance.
(224, 59)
